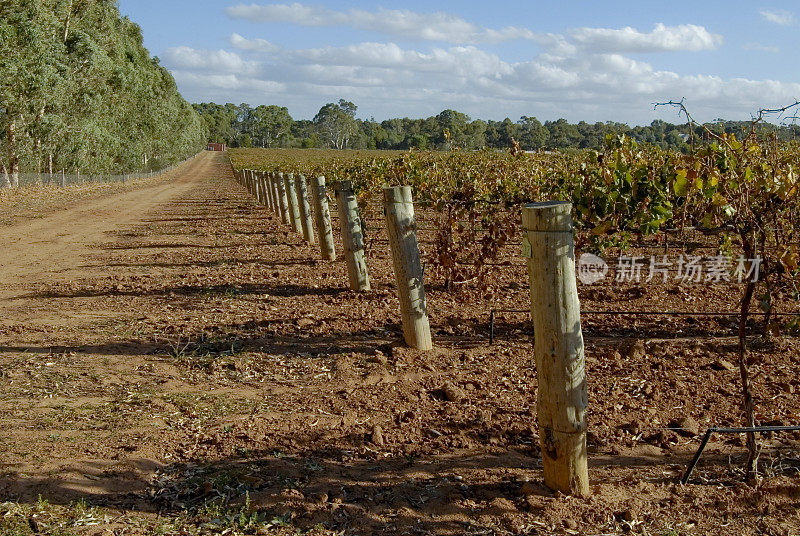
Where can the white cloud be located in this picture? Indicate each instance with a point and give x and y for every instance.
(686, 37)
(219, 61)
(259, 45)
(391, 80)
(778, 16)
(758, 47)
(402, 23)
(458, 61)
(586, 73)
(291, 13)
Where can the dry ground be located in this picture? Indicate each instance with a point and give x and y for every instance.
(174, 360)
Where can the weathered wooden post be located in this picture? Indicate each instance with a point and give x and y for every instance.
(305, 209)
(352, 237)
(277, 194)
(294, 210)
(262, 192)
(262, 189)
(273, 187)
(268, 188)
(283, 198)
(402, 229)
(322, 219)
(558, 345)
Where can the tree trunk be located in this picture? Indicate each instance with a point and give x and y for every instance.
(6, 181)
(66, 22)
(13, 157)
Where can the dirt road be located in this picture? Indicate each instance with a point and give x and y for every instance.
(55, 246)
(176, 357)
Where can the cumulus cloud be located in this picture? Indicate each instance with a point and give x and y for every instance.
(218, 61)
(586, 73)
(259, 45)
(779, 16)
(466, 78)
(403, 23)
(686, 37)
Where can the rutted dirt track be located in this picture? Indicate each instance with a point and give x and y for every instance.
(175, 355)
(57, 243)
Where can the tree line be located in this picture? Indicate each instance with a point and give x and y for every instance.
(336, 126)
(78, 91)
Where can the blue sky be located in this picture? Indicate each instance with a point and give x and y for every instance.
(576, 59)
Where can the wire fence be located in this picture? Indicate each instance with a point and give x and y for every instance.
(63, 179)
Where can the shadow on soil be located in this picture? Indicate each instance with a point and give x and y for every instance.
(373, 494)
(246, 289)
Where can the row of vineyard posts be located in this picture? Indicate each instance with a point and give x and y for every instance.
(549, 247)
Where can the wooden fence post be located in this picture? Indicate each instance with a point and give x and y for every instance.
(294, 210)
(305, 210)
(322, 218)
(268, 187)
(402, 229)
(283, 198)
(262, 188)
(352, 237)
(278, 206)
(273, 187)
(558, 345)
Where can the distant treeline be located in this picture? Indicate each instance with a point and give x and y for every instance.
(78, 90)
(335, 126)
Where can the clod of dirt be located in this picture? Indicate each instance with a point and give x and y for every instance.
(378, 358)
(721, 364)
(685, 426)
(663, 438)
(305, 322)
(377, 436)
(636, 350)
(500, 506)
(452, 393)
(533, 488)
(321, 497)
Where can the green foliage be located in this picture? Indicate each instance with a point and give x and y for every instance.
(76, 83)
(335, 126)
(744, 192)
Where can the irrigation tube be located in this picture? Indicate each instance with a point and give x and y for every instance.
(710, 431)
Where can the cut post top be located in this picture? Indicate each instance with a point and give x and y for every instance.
(398, 194)
(547, 216)
(548, 204)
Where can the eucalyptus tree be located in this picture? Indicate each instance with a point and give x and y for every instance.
(337, 124)
(79, 90)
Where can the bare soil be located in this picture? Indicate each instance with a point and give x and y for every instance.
(175, 360)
